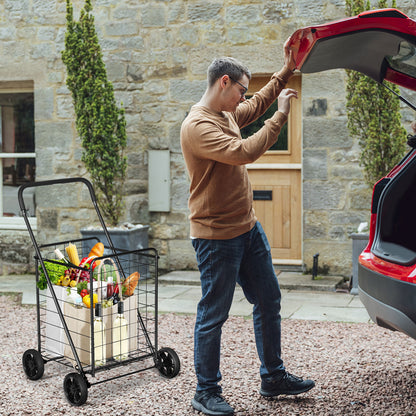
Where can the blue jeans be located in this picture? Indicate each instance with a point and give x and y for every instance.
(246, 260)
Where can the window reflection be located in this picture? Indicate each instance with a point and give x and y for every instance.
(405, 60)
(281, 143)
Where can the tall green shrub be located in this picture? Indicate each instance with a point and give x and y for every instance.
(100, 123)
(374, 115)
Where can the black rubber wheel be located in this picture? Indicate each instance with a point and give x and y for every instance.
(33, 364)
(168, 362)
(76, 389)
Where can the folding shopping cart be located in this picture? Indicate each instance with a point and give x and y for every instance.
(94, 335)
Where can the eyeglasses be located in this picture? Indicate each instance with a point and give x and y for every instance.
(241, 85)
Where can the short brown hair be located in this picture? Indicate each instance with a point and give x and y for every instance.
(226, 66)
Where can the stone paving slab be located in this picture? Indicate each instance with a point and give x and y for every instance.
(168, 291)
(355, 302)
(289, 308)
(333, 314)
(25, 284)
(184, 306)
(319, 298)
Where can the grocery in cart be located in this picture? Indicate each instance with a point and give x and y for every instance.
(96, 312)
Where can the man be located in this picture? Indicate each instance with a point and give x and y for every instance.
(229, 242)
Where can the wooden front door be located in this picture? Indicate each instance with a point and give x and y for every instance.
(276, 180)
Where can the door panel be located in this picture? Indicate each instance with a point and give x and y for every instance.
(280, 216)
(281, 173)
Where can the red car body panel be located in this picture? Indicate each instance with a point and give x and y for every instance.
(385, 20)
(371, 261)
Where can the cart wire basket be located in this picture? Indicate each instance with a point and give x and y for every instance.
(98, 316)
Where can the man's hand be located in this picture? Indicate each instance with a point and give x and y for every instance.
(289, 58)
(283, 100)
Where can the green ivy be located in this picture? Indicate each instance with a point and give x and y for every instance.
(100, 123)
(374, 116)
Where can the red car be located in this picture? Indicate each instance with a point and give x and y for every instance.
(382, 45)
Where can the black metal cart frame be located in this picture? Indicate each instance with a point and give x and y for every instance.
(76, 384)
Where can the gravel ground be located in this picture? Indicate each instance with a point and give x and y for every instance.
(359, 369)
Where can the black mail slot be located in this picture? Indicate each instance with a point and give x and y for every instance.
(262, 195)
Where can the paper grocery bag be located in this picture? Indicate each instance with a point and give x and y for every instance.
(130, 313)
(130, 303)
(54, 332)
(80, 326)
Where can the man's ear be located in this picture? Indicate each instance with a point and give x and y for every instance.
(224, 80)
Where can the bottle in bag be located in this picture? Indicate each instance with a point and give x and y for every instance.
(99, 336)
(74, 298)
(120, 335)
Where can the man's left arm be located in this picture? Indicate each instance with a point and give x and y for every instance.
(256, 106)
(253, 108)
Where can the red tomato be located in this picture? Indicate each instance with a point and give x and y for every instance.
(84, 292)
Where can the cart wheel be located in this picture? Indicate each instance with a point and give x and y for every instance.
(33, 364)
(76, 389)
(168, 362)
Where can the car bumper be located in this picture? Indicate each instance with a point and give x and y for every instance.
(391, 303)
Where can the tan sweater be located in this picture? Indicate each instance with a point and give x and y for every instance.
(221, 198)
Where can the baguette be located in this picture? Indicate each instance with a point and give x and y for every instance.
(130, 283)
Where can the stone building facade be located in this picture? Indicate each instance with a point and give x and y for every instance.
(156, 53)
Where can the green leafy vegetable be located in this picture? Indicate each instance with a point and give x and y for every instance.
(54, 269)
(82, 285)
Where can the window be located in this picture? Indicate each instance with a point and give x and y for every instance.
(281, 143)
(405, 60)
(17, 148)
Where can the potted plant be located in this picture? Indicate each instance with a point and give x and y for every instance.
(100, 124)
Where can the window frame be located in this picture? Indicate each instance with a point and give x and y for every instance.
(14, 223)
(257, 82)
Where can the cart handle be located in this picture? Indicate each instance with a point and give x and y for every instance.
(53, 182)
(88, 184)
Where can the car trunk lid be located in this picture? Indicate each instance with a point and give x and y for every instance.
(380, 44)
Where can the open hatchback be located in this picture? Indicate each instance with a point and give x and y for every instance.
(382, 45)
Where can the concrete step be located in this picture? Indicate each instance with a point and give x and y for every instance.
(278, 268)
(299, 281)
(287, 280)
(178, 277)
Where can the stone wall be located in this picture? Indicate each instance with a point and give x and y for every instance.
(16, 253)
(335, 198)
(156, 54)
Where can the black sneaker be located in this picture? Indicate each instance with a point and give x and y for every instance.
(211, 403)
(288, 384)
